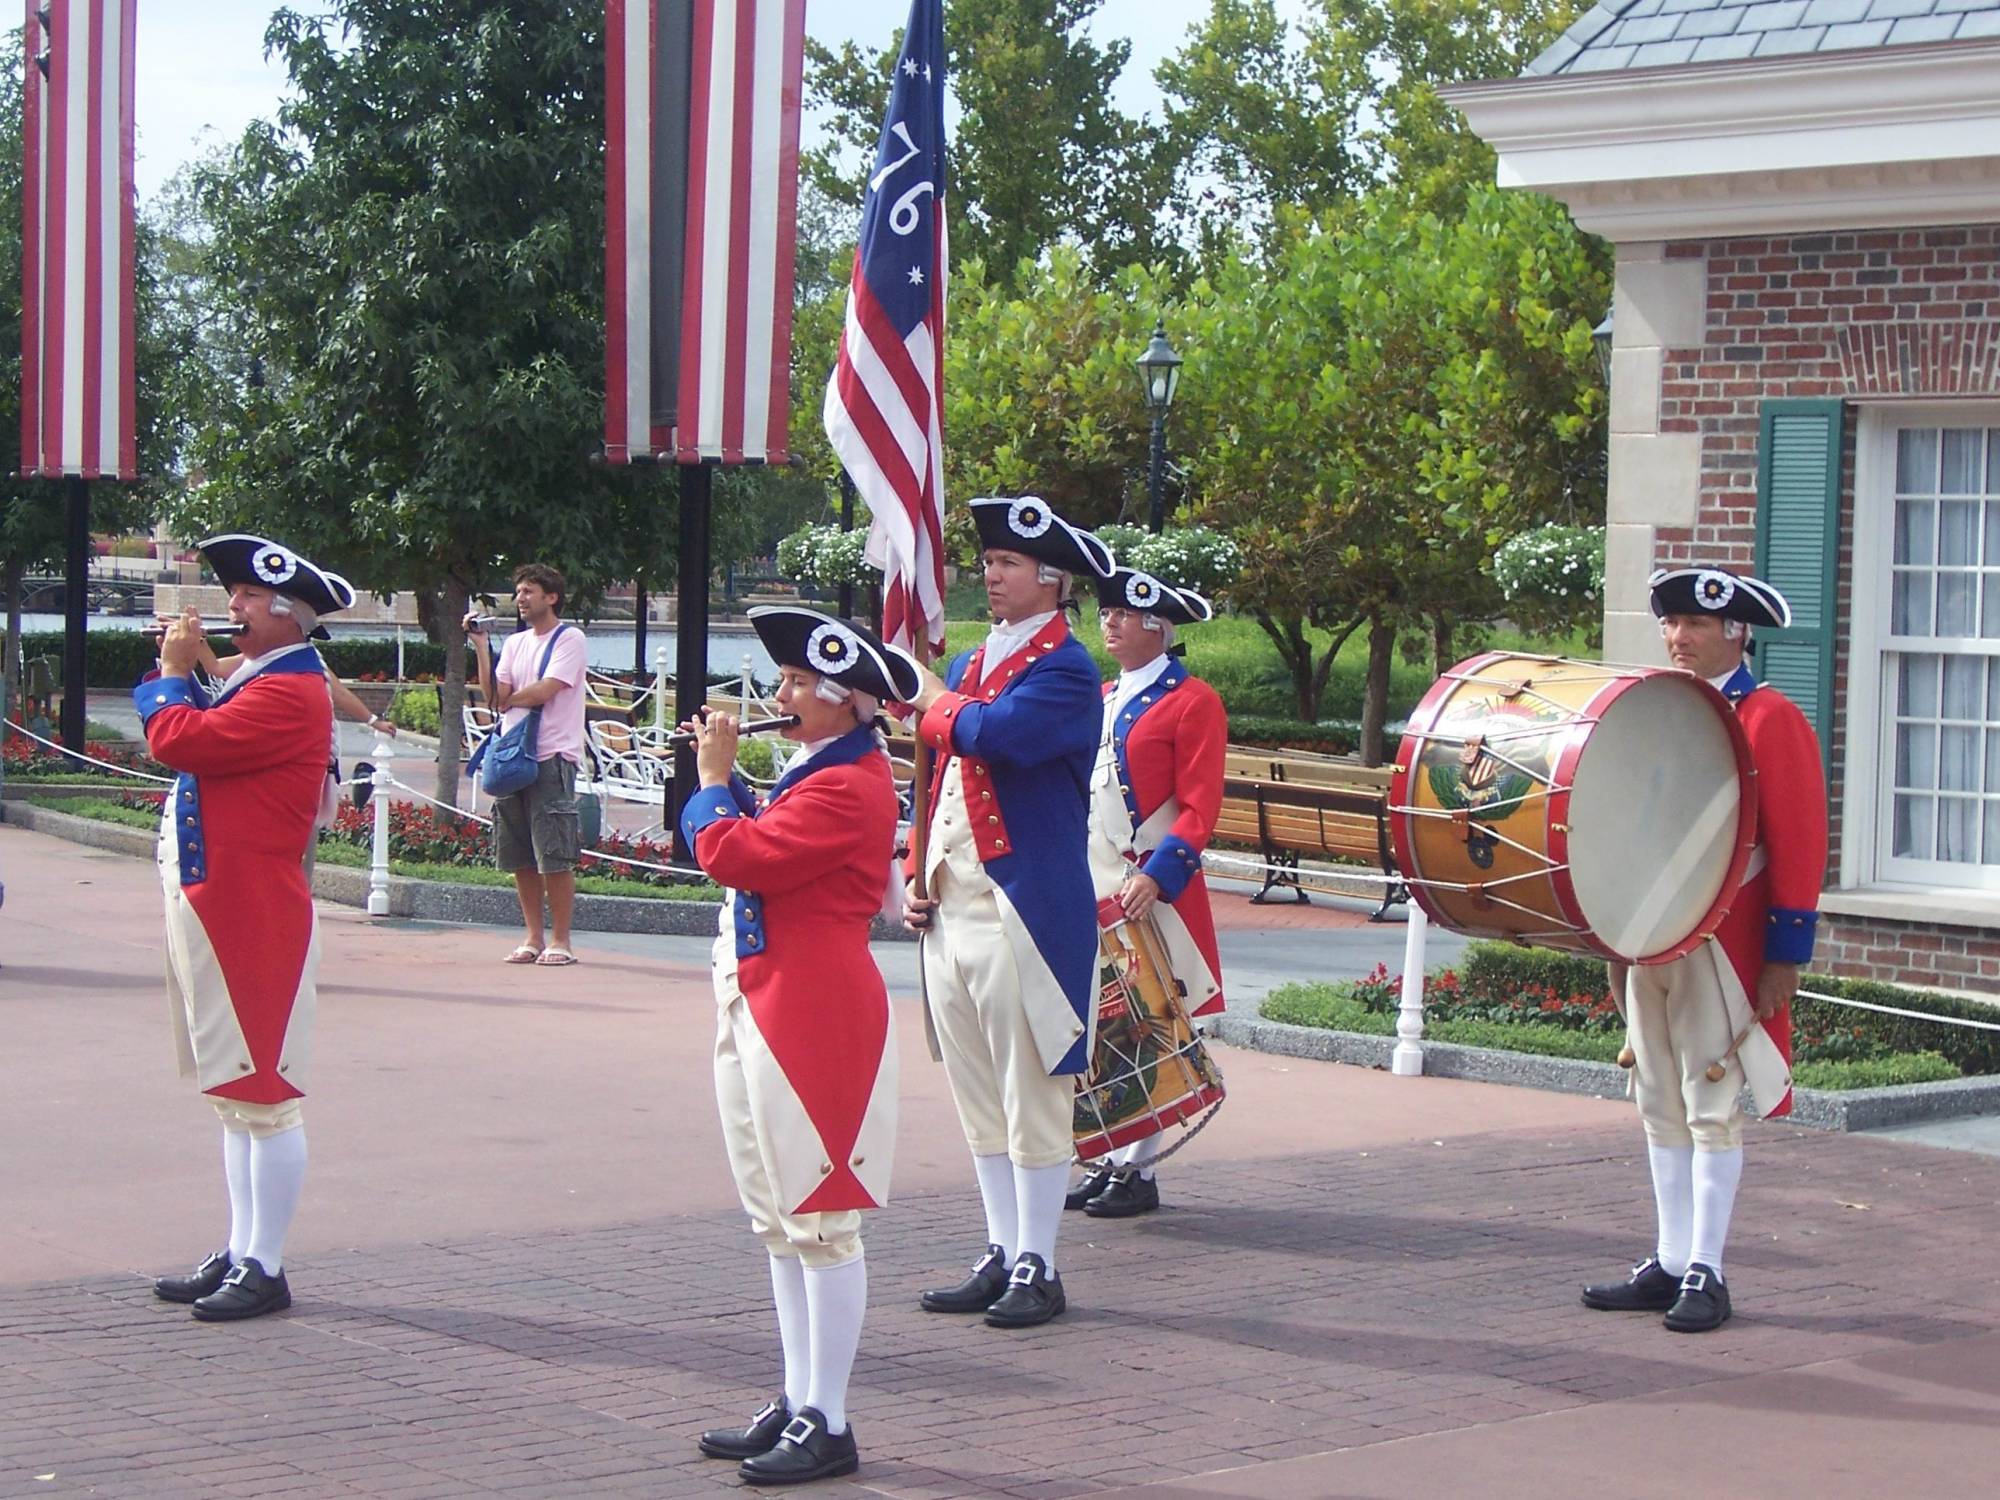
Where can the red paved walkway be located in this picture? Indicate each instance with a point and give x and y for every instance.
(519, 1270)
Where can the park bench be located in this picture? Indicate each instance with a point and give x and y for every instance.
(1292, 805)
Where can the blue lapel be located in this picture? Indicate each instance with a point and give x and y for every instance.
(1740, 685)
(306, 661)
(845, 751)
(1128, 718)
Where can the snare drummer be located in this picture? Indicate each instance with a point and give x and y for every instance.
(1686, 1016)
(1010, 925)
(1155, 794)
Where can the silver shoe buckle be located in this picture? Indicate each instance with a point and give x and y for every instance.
(1695, 1281)
(1024, 1274)
(797, 1431)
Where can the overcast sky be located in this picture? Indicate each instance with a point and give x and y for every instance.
(202, 74)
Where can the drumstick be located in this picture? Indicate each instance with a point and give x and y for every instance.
(1717, 1068)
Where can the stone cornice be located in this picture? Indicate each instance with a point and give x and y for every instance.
(1896, 136)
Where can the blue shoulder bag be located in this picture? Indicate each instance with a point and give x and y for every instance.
(505, 763)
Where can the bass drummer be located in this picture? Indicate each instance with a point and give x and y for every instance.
(1155, 794)
(1720, 1016)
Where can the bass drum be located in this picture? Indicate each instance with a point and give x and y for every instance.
(1603, 809)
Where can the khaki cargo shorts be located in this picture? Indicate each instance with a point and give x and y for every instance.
(536, 827)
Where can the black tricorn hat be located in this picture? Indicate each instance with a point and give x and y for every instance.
(238, 557)
(838, 650)
(1130, 588)
(1718, 592)
(1029, 525)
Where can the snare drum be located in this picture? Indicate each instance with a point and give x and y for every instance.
(1149, 1070)
(1603, 809)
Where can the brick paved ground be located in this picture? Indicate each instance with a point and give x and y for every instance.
(1296, 1306)
(518, 1269)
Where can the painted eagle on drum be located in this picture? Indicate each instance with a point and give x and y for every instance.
(1470, 777)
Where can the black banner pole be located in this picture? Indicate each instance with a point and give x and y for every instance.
(76, 616)
(690, 633)
(847, 524)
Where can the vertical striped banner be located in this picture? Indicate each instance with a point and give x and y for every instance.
(701, 187)
(77, 385)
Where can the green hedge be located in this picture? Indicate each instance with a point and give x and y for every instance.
(1293, 734)
(119, 658)
(415, 709)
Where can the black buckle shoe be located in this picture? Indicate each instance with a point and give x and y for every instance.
(1648, 1289)
(761, 1436)
(1034, 1295)
(804, 1451)
(1093, 1183)
(199, 1282)
(246, 1292)
(1703, 1305)
(1128, 1196)
(978, 1291)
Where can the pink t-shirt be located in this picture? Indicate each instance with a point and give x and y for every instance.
(562, 716)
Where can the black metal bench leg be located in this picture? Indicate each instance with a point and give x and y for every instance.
(1397, 894)
(1281, 873)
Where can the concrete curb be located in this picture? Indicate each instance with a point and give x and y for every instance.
(425, 900)
(1815, 1109)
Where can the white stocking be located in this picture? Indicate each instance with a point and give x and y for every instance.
(1040, 1192)
(1716, 1174)
(996, 1192)
(236, 1171)
(277, 1173)
(1673, 1200)
(1139, 1155)
(838, 1299)
(788, 1291)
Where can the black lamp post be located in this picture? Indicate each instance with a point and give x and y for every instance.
(1600, 340)
(1160, 372)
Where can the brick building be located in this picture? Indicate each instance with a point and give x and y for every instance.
(1804, 196)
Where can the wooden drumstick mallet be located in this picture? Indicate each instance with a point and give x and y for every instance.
(1716, 1069)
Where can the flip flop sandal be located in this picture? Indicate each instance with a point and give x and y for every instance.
(556, 958)
(524, 955)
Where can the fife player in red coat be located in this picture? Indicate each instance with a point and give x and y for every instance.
(1155, 793)
(242, 937)
(1727, 1004)
(805, 1062)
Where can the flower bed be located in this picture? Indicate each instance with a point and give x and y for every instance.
(1555, 1004)
(26, 760)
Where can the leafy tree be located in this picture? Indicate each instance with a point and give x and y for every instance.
(1039, 153)
(414, 251)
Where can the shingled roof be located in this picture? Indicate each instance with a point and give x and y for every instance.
(1616, 34)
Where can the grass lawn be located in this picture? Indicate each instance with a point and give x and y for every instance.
(1333, 1007)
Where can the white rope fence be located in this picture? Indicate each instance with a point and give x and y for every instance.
(91, 760)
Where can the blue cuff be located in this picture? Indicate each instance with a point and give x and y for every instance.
(150, 697)
(1173, 865)
(709, 804)
(1789, 934)
(742, 796)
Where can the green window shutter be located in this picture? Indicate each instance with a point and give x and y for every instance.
(1798, 550)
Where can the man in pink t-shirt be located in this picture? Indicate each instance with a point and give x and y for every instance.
(535, 829)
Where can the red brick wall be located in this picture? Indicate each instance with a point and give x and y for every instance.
(1863, 314)
(1925, 953)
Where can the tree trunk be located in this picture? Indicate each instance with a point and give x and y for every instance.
(1289, 636)
(449, 603)
(10, 668)
(1443, 657)
(1375, 705)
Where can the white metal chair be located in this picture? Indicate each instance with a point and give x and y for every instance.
(625, 769)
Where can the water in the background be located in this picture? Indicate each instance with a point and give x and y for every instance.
(610, 645)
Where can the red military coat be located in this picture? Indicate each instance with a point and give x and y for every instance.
(808, 873)
(242, 935)
(1170, 742)
(1776, 912)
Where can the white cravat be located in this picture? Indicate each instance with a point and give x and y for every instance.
(1007, 638)
(1131, 684)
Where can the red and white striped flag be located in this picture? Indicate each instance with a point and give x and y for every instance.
(76, 251)
(701, 183)
(884, 408)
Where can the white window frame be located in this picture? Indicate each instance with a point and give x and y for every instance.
(1867, 803)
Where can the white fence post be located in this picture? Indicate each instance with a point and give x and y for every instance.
(1407, 1061)
(378, 860)
(660, 688)
(744, 689)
